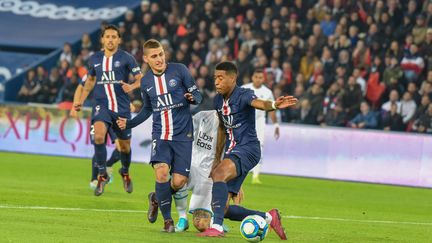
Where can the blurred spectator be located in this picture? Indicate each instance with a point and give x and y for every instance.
(335, 117)
(69, 87)
(50, 88)
(393, 99)
(365, 119)
(86, 42)
(392, 71)
(305, 114)
(30, 88)
(67, 53)
(412, 64)
(407, 107)
(351, 98)
(424, 123)
(393, 121)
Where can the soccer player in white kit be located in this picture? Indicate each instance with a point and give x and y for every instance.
(206, 125)
(264, 93)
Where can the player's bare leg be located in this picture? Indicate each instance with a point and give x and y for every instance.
(100, 130)
(125, 157)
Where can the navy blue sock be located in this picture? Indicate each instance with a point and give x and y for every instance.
(164, 198)
(94, 169)
(100, 155)
(219, 199)
(126, 161)
(115, 156)
(238, 213)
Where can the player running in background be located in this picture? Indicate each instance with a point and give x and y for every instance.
(167, 91)
(107, 70)
(115, 156)
(263, 93)
(236, 109)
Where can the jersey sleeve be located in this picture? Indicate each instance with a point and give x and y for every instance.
(91, 69)
(189, 83)
(132, 65)
(188, 80)
(247, 97)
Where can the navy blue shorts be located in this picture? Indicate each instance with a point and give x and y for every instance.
(177, 154)
(245, 158)
(109, 117)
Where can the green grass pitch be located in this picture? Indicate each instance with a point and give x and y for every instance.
(48, 199)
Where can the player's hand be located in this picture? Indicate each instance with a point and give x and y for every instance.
(77, 106)
(73, 113)
(121, 123)
(285, 102)
(239, 197)
(189, 97)
(127, 87)
(276, 133)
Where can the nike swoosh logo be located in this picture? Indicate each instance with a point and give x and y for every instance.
(148, 89)
(187, 170)
(97, 65)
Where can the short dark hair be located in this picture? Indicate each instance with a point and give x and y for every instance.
(151, 43)
(228, 67)
(111, 27)
(258, 70)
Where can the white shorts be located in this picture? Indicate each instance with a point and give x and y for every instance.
(201, 187)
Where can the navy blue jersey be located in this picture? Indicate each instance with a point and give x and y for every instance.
(109, 71)
(164, 95)
(238, 117)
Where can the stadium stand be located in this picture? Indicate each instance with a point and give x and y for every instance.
(331, 54)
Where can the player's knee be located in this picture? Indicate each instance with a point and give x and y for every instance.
(201, 220)
(99, 139)
(161, 172)
(178, 183)
(218, 174)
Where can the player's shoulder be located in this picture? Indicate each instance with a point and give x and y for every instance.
(176, 67)
(247, 86)
(96, 56)
(124, 54)
(245, 91)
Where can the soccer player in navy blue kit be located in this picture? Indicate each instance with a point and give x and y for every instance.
(236, 109)
(167, 91)
(107, 71)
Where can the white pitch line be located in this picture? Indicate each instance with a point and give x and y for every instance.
(358, 220)
(143, 211)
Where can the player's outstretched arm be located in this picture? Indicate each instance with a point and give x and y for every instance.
(280, 103)
(130, 87)
(88, 87)
(77, 96)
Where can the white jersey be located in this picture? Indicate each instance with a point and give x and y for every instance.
(206, 125)
(262, 93)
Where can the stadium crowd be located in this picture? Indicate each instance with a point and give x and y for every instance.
(360, 64)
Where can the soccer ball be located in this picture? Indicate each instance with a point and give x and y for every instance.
(254, 228)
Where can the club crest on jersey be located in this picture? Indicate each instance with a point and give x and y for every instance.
(172, 83)
(97, 108)
(117, 64)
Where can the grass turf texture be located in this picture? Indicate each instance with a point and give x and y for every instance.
(347, 211)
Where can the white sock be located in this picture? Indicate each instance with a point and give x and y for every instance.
(180, 199)
(268, 218)
(218, 227)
